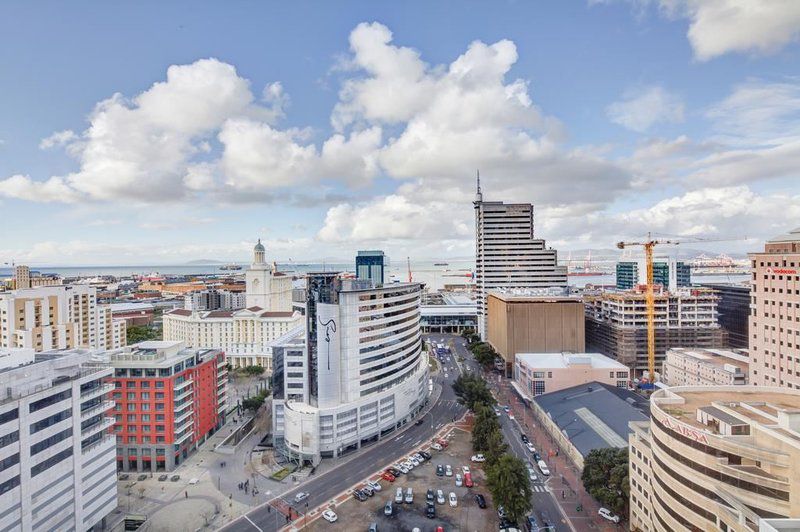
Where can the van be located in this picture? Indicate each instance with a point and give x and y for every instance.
(398, 496)
(409, 496)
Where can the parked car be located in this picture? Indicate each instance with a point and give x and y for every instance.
(402, 468)
(436, 447)
(430, 496)
(501, 513)
(448, 471)
(532, 524)
(409, 496)
(124, 476)
(175, 478)
(530, 447)
(547, 523)
(497, 412)
(524, 438)
(301, 496)
(388, 476)
(373, 527)
(420, 421)
(387, 509)
(374, 485)
(605, 513)
(511, 416)
(398, 495)
(419, 457)
(459, 481)
(506, 408)
(440, 470)
(536, 456)
(543, 468)
(163, 478)
(481, 500)
(413, 461)
(478, 458)
(468, 480)
(394, 471)
(366, 490)
(465, 469)
(192, 481)
(330, 516)
(359, 495)
(430, 510)
(532, 474)
(452, 499)
(444, 443)
(439, 497)
(426, 455)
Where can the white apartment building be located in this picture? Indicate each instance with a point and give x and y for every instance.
(245, 335)
(357, 374)
(111, 332)
(56, 317)
(506, 253)
(214, 299)
(705, 367)
(57, 458)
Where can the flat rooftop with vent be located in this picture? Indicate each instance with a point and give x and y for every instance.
(540, 373)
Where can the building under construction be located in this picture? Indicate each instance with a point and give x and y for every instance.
(616, 324)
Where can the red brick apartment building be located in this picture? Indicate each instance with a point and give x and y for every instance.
(774, 326)
(169, 399)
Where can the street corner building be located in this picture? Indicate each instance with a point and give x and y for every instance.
(717, 458)
(355, 374)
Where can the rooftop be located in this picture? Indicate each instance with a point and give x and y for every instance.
(791, 236)
(125, 307)
(524, 295)
(566, 360)
(594, 415)
(717, 357)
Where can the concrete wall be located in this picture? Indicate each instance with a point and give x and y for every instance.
(535, 327)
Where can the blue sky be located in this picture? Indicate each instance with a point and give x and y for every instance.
(188, 130)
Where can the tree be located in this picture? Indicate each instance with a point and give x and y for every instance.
(508, 483)
(255, 402)
(141, 333)
(472, 390)
(484, 354)
(496, 448)
(605, 477)
(485, 424)
(253, 370)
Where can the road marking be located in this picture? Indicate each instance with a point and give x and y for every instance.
(252, 523)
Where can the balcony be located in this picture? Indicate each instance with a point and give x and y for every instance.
(222, 408)
(104, 423)
(185, 393)
(185, 437)
(186, 423)
(98, 390)
(93, 411)
(183, 385)
(105, 441)
(179, 419)
(182, 406)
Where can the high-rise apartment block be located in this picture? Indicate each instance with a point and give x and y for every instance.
(734, 312)
(358, 373)
(775, 313)
(716, 458)
(169, 399)
(214, 299)
(705, 367)
(56, 452)
(57, 317)
(616, 324)
(371, 265)
(24, 278)
(544, 320)
(667, 272)
(507, 255)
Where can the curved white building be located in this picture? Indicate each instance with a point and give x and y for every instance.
(359, 372)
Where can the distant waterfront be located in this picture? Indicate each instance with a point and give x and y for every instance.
(456, 272)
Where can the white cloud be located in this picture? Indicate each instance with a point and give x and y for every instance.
(59, 138)
(642, 107)
(24, 188)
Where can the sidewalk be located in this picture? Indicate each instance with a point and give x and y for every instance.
(565, 480)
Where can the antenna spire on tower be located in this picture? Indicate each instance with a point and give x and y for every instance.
(478, 195)
(479, 181)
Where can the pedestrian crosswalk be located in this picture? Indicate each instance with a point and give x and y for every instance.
(540, 489)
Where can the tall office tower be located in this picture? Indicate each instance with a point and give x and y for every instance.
(267, 288)
(506, 253)
(169, 399)
(55, 317)
(734, 312)
(371, 265)
(22, 277)
(667, 272)
(775, 313)
(56, 449)
(358, 373)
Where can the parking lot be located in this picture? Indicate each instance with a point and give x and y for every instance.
(466, 516)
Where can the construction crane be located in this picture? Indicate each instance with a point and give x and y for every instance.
(650, 301)
(650, 298)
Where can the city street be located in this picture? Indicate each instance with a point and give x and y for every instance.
(323, 488)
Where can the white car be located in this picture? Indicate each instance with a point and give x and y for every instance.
(459, 482)
(436, 447)
(419, 457)
(409, 496)
(401, 467)
(532, 474)
(478, 458)
(330, 516)
(452, 499)
(511, 416)
(543, 468)
(465, 469)
(605, 513)
(409, 465)
(413, 460)
(439, 497)
(193, 481)
(448, 471)
(398, 496)
(530, 447)
(374, 485)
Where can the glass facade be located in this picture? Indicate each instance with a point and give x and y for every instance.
(371, 265)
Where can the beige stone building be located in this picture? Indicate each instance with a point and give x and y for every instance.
(534, 321)
(540, 373)
(774, 325)
(716, 458)
(705, 367)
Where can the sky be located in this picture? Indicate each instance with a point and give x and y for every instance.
(164, 132)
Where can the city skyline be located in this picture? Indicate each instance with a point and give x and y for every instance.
(182, 135)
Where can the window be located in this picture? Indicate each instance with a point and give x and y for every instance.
(145, 417)
(131, 439)
(50, 441)
(50, 462)
(50, 400)
(145, 396)
(131, 396)
(130, 384)
(51, 420)
(132, 418)
(159, 428)
(538, 387)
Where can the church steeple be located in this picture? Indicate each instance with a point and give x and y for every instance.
(259, 254)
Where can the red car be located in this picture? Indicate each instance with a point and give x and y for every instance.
(442, 442)
(468, 480)
(387, 476)
(439, 529)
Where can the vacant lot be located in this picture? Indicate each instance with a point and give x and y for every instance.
(467, 516)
